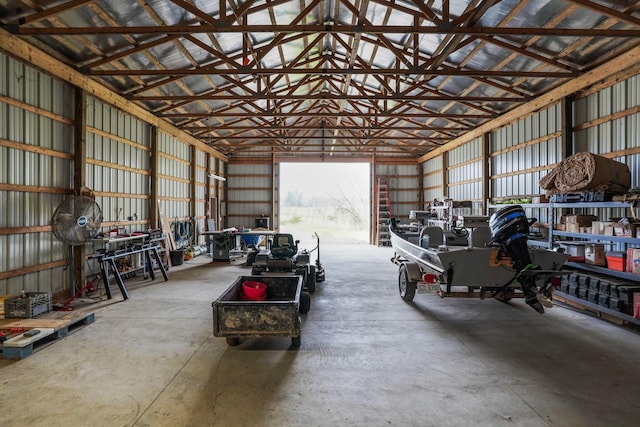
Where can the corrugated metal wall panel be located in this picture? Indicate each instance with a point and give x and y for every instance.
(404, 187)
(432, 180)
(123, 143)
(520, 153)
(40, 173)
(118, 170)
(249, 193)
(199, 191)
(464, 174)
(175, 176)
(607, 122)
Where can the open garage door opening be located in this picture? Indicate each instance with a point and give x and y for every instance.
(331, 199)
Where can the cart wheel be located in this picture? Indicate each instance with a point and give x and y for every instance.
(295, 342)
(305, 303)
(233, 341)
(311, 279)
(503, 296)
(407, 289)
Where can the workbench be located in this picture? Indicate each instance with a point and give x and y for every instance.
(226, 244)
(108, 261)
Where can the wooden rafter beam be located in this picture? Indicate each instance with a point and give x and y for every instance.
(326, 127)
(608, 11)
(399, 72)
(51, 11)
(284, 29)
(266, 113)
(311, 96)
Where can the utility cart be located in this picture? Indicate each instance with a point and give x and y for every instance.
(236, 317)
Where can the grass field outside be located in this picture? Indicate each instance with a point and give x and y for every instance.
(332, 200)
(332, 225)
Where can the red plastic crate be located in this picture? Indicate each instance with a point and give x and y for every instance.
(617, 261)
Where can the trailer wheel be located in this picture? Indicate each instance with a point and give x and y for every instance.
(233, 341)
(407, 289)
(305, 303)
(295, 342)
(502, 298)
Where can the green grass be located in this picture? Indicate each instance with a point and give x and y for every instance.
(331, 225)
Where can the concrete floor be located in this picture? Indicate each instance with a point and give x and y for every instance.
(367, 359)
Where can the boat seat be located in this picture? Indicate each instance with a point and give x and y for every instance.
(434, 234)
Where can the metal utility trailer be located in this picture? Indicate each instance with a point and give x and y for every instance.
(276, 316)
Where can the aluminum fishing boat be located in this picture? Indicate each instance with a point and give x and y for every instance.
(502, 268)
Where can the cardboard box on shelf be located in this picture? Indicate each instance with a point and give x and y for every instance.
(594, 254)
(582, 220)
(585, 230)
(572, 227)
(602, 228)
(540, 199)
(624, 229)
(633, 260)
(574, 249)
(560, 227)
(629, 260)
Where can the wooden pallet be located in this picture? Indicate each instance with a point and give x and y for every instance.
(51, 329)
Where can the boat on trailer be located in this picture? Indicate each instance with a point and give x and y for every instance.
(504, 267)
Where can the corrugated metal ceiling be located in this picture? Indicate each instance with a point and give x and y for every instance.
(352, 76)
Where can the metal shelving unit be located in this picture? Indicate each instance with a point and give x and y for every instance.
(626, 241)
(598, 237)
(597, 308)
(591, 237)
(603, 270)
(555, 234)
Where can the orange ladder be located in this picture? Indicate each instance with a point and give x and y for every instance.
(384, 213)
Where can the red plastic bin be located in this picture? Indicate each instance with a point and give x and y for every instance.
(617, 261)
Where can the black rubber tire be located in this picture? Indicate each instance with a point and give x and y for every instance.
(295, 342)
(407, 289)
(319, 273)
(305, 303)
(233, 341)
(311, 279)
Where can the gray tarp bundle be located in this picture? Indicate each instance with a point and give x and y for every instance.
(587, 172)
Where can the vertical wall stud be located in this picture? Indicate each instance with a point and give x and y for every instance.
(194, 179)
(153, 204)
(486, 172)
(79, 177)
(567, 126)
(445, 180)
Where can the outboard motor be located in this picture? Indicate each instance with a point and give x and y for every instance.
(509, 231)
